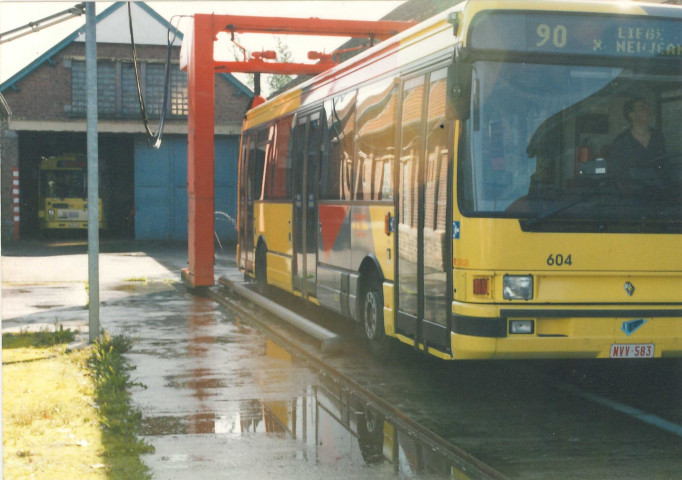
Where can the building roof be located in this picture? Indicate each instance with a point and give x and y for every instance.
(108, 33)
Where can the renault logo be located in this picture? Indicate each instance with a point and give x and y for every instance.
(629, 288)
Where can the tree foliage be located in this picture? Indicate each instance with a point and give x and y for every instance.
(270, 83)
(277, 82)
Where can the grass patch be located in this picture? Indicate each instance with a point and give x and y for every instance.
(120, 421)
(68, 414)
(40, 339)
(50, 425)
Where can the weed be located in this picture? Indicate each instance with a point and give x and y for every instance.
(120, 421)
(137, 279)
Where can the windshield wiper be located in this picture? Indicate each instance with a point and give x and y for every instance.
(531, 222)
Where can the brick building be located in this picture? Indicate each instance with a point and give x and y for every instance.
(47, 102)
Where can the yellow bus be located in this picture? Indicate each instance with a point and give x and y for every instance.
(63, 193)
(500, 181)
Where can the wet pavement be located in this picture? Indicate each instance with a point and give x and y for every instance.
(46, 282)
(223, 399)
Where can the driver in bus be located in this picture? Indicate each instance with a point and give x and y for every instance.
(636, 155)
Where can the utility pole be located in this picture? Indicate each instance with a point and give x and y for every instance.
(93, 169)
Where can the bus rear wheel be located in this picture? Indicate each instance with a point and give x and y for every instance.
(373, 321)
(261, 269)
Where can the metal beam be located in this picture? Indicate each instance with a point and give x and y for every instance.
(38, 25)
(258, 66)
(380, 30)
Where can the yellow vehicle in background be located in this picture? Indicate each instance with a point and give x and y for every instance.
(63, 193)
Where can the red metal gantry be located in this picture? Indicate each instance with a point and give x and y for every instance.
(197, 59)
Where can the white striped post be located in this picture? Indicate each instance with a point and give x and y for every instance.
(15, 201)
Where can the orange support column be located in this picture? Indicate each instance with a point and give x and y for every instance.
(200, 154)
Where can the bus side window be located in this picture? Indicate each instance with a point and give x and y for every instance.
(411, 149)
(259, 164)
(335, 174)
(437, 154)
(315, 140)
(375, 156)
(277, 173)
(251, 165)
(297, 152)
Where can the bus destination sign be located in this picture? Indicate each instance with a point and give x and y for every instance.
(619, 36)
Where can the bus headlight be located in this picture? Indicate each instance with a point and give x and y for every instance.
(517, 287)
(50, 213)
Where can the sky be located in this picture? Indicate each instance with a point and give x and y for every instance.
(15, 55)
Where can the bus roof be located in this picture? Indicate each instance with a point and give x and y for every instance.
(300, 95)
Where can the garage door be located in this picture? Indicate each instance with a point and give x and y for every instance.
(161, 189)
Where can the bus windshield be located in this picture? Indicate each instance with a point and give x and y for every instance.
(574, 147)
(67, 183)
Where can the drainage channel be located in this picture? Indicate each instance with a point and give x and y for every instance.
(383, 430)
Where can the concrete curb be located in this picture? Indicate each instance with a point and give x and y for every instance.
(329, 340)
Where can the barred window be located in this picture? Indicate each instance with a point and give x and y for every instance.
(130, 103)
(117, 89)
(106, 88)
(178, 97)
(78, 87)
(154, 94)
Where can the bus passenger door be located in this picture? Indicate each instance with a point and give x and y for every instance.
(298, 160)
(306, 153)
(246, 205)
(423, 207)
(254, 168)
(314, 147)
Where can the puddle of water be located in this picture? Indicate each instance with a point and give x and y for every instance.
(126, 287)
(327, 428)
(143, 287)
(326, 423)
(195, 381)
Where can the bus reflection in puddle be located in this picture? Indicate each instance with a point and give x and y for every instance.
(332, 422)
(261, 391)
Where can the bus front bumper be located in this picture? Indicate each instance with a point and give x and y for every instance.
(564, 332)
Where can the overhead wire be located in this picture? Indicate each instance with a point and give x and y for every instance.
(153, 139)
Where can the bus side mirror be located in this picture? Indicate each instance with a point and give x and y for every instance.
(459, 84)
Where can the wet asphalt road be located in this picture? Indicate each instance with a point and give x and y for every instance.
(225, 401)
